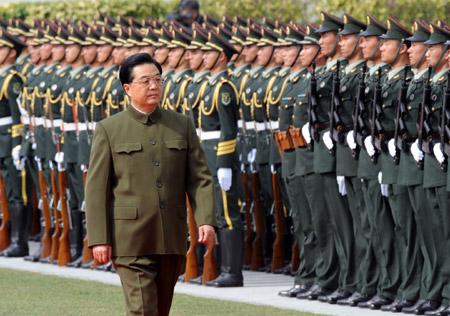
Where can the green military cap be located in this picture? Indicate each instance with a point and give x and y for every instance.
(123, 34)
(61, 36)
(165, 37)
(238, 35)
(19, 27)
(226, 26)
(253, 35)
(135, 38)
(83, 25)
(294, 35)
(93, 36)
(268, 37)
(150, 37)
(76, 36)
(374, 27)
(268, 23)
(11, 41)
(38, 37)
(282, 33)
(51, 31)
(108, 36)
(330, 23)
(199, 38)
(312, 37)
(209, 20)
(439, 35)
(421, 31)
(4, 23)
(240, 21)
(218, 43)
(352, 25)
(179, 39)
(395, 31)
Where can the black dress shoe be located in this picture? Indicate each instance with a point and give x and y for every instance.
(320, 291)
(354, 300)
(375, 302)
(304, 295)
(198, 280)
(227, 280)
(443, 310)
(411, 309)
(292, 292)
(338, 295)
(427, 306)
(387, 308)
(398, 305)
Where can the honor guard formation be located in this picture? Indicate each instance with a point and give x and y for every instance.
(327, 143)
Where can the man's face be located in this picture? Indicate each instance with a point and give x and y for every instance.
(161, 54)
(119, 55)
(104, 52)
(145, 89)
(415, 52)
(308, 54)
(250, 53)
(174, 57)
(148, 49)
(290, 55)
(433, 54)
(389, 50)
(35, 54)
(278, 55)
(347, 44)
(58, 52)
(195, 58)
(72, 52)
(89, 54)
(210, 59)
(327, 43)
(45, 51)
(369, 45)
(264, 55)
(4, 53)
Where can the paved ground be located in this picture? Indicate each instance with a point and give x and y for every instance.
(259, 288)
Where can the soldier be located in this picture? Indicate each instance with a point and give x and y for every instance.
(11, 128)
(218, 124)
(162, 52)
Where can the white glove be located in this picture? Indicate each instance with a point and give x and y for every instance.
(19, 164)
(351, 141)
(327, 140)
(59, 157)
(15, 153)
(251, 156)
(306, 134)
(384, 187)
(440, 157)
(273, 170)
(224, 176)
(391, 148)
(341, 185)
(369, 146)
(416, 152)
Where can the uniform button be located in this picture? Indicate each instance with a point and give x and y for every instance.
(153, 142)
(159, 185)
(162, 205)
(156, 163)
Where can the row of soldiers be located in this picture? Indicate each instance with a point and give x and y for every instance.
(342, 128)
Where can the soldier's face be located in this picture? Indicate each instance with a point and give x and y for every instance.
(278, 55)
(210, 58)
(328, 43)
(4, 53)
(370, 47)
(389, 50)
(35, 54)
(433, 54)
(119, 55)
(290, 55)
(308, 54)
(250, 53)
(45, 51)
(89, 54)
(347, 44)
(195, 58)
(145, 88)
(104, 52)
(174, 57)
(264, 55)
(148, 49)
(72, 53)
(161, 54)
(415, 52)
(58, 52)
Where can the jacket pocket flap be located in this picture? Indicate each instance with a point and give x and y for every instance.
(176, 144)
(125, 212)
(127, 147)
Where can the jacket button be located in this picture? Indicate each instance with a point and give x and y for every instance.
(159, 185)
(153, 142)
(156, 163)
(162, 205)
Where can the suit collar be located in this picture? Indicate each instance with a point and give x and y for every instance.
(144, 118)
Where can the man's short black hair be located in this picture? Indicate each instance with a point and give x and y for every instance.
(190, 4)
(126, 69)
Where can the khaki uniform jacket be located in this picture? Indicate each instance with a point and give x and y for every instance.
(141, 168)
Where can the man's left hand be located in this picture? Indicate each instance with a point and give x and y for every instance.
(206, 234)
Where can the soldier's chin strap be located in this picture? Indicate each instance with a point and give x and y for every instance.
(397, 55)
(441, 56)
(271, 56)
(375, 51)
(314, 59)
(215, 62)
(421, 60)
(299, 49)
(333, 52)
(179, 59)
(355, 47)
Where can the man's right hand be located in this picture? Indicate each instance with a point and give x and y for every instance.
(102, 253)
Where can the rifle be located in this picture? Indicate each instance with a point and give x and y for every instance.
(277, 255)
(312, 107)
(46, 240)
(56, 215)
(423, 128)
(376, 129)
(5, 239)
(358, 111)
(444, 125)
(400, 132)
(191, 270)
(336, 105)
(247, 205)
(209, 263)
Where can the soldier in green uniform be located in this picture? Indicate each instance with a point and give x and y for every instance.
(11, 129)
(162, 52)
(217, 120)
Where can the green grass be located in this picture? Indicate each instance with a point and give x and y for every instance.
(25, 293)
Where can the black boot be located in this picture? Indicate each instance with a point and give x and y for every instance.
(232, 242)
(36, 255)
(19, 231)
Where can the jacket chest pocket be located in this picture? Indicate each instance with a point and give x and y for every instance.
(175, 146)
(127, 148)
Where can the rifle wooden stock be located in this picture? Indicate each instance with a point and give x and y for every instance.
(297, 137)
(64, 244)
(191, 270)
(277, 248)
(56, 218)
(248, 222)
(257, 261)
(46, 239)
(5, 239)
(295, 258)
(209, 263)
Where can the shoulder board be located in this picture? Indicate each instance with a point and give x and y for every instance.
(333, 68)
